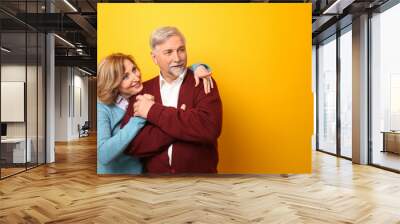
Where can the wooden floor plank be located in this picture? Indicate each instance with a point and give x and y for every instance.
(70, 191)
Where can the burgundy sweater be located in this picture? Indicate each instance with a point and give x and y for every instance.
(192, 132)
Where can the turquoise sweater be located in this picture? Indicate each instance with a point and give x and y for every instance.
(112, 141)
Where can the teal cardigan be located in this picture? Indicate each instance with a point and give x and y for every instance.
(112, 141)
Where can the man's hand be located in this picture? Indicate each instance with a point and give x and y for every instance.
(201, 72)
(142, 105)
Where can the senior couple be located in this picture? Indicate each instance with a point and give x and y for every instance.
(168, 124)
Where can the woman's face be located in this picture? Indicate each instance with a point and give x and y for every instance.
(131, 83)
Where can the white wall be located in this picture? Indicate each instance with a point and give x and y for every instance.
(314, 88)
(71, 93)
(80, 102)
(12, 73)
(61, 103)
(34, 125)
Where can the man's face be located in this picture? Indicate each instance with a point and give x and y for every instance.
(171, 57)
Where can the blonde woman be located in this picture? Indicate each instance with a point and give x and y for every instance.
(118, 79)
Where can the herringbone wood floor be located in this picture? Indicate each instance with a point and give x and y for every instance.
(69, 191)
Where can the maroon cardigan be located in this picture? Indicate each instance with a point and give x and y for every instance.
(192, 132)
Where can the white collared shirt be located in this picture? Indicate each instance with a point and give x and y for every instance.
(121, 102)
(169, 95)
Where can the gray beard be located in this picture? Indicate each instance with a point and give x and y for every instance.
(176, 71)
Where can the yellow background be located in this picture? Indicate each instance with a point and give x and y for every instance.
(260, 56)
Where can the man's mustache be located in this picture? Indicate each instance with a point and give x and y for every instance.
(177, 65)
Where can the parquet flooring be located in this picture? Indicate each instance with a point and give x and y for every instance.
(9, 171)
(70, 191)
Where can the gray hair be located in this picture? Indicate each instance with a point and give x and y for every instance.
(161, 34)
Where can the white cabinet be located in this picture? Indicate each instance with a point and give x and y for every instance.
(17, 148)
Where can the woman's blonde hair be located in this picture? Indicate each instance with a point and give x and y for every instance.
(109, 76)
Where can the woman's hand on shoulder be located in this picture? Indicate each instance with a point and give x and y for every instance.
(201, 72)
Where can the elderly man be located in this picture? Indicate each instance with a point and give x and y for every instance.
(184, 123)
